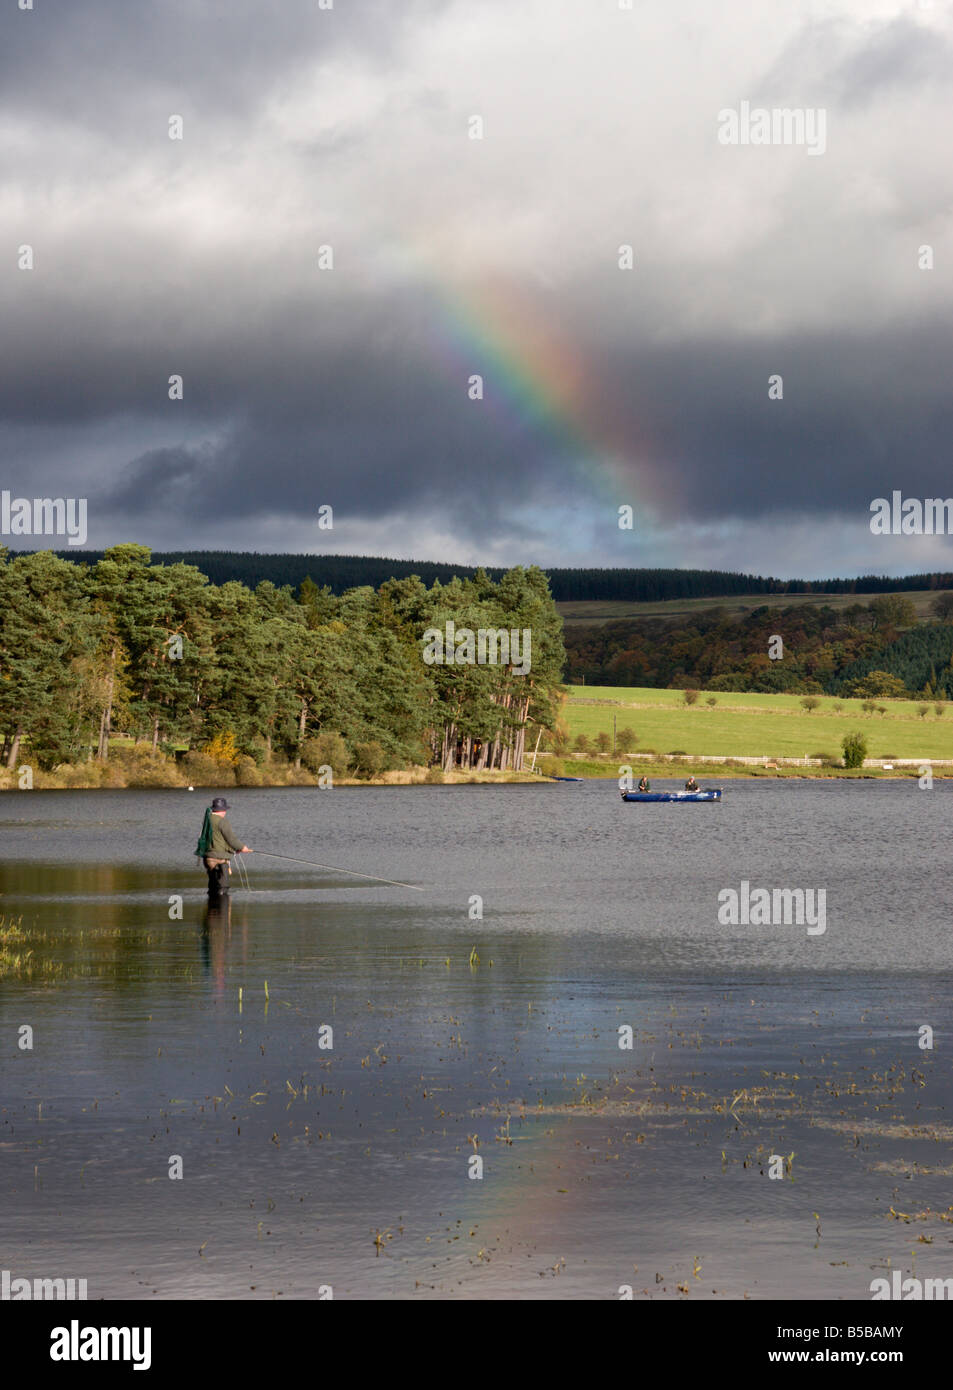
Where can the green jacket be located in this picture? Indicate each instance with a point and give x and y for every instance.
(218, 839)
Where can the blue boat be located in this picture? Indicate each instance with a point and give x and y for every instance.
(565, 779)
(712, 794)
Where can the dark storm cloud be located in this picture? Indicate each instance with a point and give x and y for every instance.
(858, 416)
(367, 425)
(350, 388)
(367, 429)
(91, 61)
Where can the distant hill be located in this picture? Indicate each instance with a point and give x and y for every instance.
(658, 628)
(341, 572)
(683, 612)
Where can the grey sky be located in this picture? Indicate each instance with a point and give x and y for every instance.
(453, 256)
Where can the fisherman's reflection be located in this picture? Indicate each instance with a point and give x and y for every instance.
(218, 939)
(216, 933)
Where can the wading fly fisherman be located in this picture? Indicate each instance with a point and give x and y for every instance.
(217, 843)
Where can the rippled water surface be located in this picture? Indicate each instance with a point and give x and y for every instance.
(350, 1166)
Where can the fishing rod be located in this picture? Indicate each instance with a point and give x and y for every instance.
(338, 870)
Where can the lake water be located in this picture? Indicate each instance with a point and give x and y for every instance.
(350, 1166)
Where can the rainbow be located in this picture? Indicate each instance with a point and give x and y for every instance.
(538, 384)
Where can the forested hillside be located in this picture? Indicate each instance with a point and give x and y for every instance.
(342, 572)
(864, 649)
(159, 654)
(922, 659)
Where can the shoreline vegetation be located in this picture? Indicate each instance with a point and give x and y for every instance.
(144, 770)
(656, 772)
(78, 779)
(159, 772)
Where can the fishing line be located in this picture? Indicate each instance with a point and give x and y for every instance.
(243, 874)
(313, 864)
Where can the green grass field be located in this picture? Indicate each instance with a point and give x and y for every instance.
(742, 725)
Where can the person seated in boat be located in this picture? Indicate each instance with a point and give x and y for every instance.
(217, 843)
(644, 785)
(691, 785)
